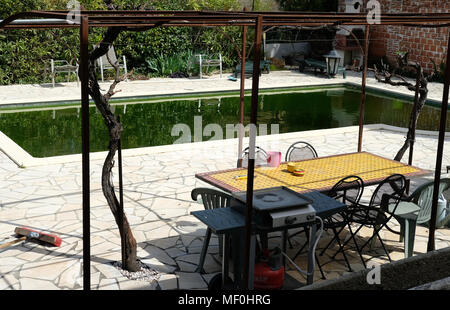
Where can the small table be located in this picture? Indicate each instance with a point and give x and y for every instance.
(228, 221)
(318, 64)
(321, 173)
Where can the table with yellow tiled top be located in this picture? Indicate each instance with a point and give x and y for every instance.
(320, 173)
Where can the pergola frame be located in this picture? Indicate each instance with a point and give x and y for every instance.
(150, 19)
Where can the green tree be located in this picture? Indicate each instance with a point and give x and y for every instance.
(309, 5)
(25, 54)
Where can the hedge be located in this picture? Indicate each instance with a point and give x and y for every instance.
(25, 54)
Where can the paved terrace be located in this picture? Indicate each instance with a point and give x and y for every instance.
(19, 94)
(157, 186)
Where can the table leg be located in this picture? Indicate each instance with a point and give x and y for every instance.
(225, 258)
(312, 240)
(264, 240)
(283, 246)
(236, 238)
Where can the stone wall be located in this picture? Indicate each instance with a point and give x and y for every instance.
(404, 274)
(422, 44)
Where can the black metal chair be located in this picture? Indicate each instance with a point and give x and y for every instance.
(260, 157)
(377, 213)
(299, 151)
(212, 199)
(349, 191)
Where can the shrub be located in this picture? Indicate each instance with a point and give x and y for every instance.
(25, 54)
(168, 65)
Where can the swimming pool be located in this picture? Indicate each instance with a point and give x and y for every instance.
(45, 131)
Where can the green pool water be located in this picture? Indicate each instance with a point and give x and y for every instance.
(52, 131)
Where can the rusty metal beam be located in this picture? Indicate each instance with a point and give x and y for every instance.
(165, 23)
(363, 89)
(440, 152)
(84, 77)
(242, 95)
(222, 18)
(17, 17)
(247, 280)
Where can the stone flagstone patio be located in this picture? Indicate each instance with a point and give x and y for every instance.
(157, 190)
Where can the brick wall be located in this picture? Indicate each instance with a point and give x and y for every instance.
(422, 43)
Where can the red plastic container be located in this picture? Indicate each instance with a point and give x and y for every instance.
(267, 279)
(269, 271)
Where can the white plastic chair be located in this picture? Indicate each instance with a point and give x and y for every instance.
(104, 63)
(60, 66)
(203, 60)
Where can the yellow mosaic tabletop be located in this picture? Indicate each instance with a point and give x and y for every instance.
(319, 173)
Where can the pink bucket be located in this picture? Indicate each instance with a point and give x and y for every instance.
(273, 159)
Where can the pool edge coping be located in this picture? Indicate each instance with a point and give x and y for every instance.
(176, 96)
(377, 89)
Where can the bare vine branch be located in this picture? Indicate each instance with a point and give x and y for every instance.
(420, 88)
(117, 78)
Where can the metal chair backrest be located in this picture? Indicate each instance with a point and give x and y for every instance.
(423, 197)
(392, 185)
(260, 157)
(211, 198)
(112, 56)
(387, 194)
(103, 61)
(300, 151)
(348, 190)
